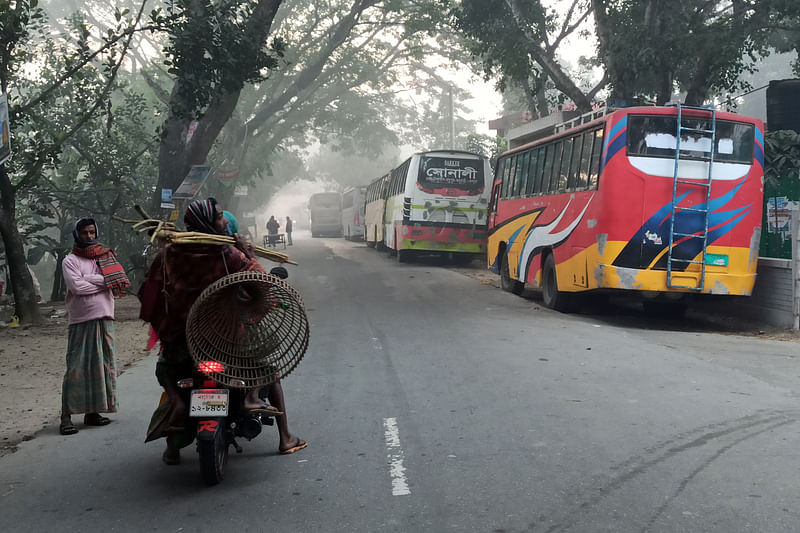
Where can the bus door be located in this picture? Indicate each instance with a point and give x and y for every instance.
(493, 204)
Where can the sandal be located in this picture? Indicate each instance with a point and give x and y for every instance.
(67, 428)
(301, 444)
(171, 456)
(94, 419)
(267, 410)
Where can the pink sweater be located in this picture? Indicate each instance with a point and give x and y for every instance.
(87, 295)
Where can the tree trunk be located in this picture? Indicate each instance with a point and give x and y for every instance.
(26, 307)
(619, 75)
(698, 88)
(176, 156)
(59, 287)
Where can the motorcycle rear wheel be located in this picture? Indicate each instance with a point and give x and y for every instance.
(213, 457)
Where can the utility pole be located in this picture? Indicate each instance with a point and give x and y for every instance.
(452, 118)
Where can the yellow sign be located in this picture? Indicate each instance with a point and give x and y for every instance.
(173, 215)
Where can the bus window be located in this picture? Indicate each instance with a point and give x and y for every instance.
(532, 174)
(504, 175)
(597, 150)
(521, 174)
(586, 160)
(654, 136)
(574, 179)
(563, 152)
(540, 160)
(499, 172)
(547, 177)
(508, 190)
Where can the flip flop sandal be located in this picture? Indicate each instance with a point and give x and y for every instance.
(295, 448)
(67, 428)
(263, 411)
(171, 459)
(96, 420)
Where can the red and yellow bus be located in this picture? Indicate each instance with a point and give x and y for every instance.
(662, 200)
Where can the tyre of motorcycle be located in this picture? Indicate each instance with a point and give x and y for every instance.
(212, 446)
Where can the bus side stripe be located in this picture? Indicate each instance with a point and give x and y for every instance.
(618, 127)
(615, 146)
(759, 154)
(760, 136)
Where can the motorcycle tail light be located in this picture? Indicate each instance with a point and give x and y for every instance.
(209, 367)
(209, 384)
(186, 383)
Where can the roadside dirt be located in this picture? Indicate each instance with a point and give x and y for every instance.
(32, 364)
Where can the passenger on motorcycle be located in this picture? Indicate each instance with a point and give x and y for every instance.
(176, 278)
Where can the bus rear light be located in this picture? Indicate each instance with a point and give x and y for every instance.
(209, 367)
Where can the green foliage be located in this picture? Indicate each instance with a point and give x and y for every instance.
(651, 48)
(485, 145)
(212, 51)
(781, 155)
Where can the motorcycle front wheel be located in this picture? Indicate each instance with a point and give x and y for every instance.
(213, 456)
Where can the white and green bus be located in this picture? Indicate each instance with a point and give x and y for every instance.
(433, 203)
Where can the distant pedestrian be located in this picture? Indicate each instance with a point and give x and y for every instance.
(288, 230)
(93, 278)
(272, 230)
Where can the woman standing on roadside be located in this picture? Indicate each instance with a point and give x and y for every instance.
(93, 278)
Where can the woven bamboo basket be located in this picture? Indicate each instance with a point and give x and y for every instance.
(254, 324)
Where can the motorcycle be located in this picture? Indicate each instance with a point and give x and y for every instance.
(216, 407)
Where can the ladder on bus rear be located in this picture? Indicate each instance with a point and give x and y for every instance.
(703, 210)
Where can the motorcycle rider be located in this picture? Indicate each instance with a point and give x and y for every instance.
(176, 278)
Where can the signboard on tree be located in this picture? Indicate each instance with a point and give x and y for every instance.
(5, 130)
(191, 184)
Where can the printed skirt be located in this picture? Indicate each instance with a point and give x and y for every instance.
(90, 382)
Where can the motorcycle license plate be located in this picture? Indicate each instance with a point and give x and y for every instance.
(209, 402)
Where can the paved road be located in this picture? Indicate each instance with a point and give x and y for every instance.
(433, 402)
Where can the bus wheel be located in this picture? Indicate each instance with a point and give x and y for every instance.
(551, 296)
(509, 285)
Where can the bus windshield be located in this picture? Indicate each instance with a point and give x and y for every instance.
(654, 136)
(438, 174)
(325, 201)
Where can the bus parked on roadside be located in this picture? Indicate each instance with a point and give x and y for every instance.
(433, 203)
(325, 210)
(665, 201)
(353, 213)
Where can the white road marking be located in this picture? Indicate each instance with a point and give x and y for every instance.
(394, 453)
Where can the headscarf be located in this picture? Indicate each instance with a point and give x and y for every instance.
(201, 216)
(233, 224)
(79, 225)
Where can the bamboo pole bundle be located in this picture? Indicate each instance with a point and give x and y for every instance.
(168, 232)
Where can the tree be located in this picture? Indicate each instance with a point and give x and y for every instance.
(649, 48)
(702, 47)
(519, 41)
(36, 104)
(338, 81)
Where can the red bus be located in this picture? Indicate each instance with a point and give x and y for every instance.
(661, 200)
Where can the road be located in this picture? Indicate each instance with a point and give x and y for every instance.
(433, 402)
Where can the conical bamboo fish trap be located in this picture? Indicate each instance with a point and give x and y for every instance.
(254, 324)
